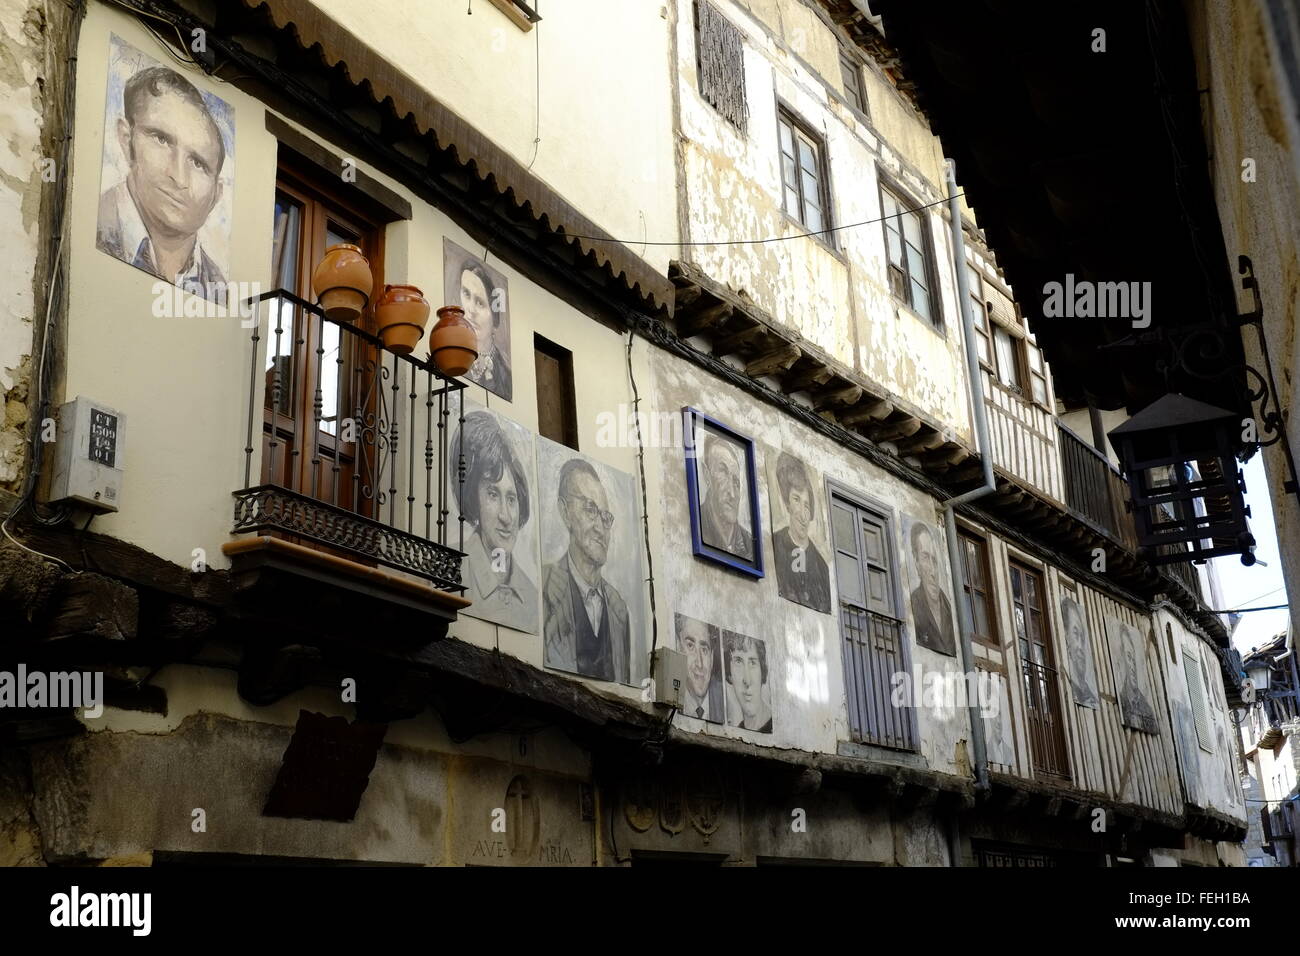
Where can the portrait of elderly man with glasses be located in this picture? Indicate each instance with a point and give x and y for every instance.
(585, 619)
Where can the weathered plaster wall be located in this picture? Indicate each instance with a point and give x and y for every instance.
(836, 293)
(1251, 113)
(605, 105)
(22, 116)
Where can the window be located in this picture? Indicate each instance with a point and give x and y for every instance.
(557, 413)
(1037, 374)
(720, 62)
(1045, 722)
(803, 174)
(980, 312)
(872, 634)
(975, 565)
(1007, 348)
(1195, 678)
(907, 245)
(851, 73)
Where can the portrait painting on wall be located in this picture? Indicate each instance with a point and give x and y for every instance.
(932, 614)
(747, 670)
(592, 616)
(482, 292)
(997, 726)
(799, 532)
(722, 488)
(1129, 662)
(701, 643)
(167, 175)
(1078, 651)
(498, 500)
(1188, 749)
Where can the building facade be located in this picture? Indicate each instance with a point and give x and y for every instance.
(349, 609)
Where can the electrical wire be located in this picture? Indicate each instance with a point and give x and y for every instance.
(537, 93)
(645, 506)
(757, 242)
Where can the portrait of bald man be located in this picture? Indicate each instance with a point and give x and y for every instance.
(166, 148)
(725, 504)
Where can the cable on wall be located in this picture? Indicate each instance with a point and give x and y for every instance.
(645, 506)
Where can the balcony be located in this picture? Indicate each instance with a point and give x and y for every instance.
(352, 474)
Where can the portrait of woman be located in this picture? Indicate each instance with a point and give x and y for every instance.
(481, 291)
(496, 503)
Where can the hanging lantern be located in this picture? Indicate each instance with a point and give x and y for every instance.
(1186, 492)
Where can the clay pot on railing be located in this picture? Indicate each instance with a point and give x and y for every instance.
(342, 282)
(453, 346)
(401, 315)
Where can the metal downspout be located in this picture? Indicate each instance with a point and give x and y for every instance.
(980, 414)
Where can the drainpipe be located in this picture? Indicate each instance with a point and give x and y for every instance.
(985, 451)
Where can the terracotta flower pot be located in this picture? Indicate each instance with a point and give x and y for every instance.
(401, 315)
(342, 282)
(453, 346)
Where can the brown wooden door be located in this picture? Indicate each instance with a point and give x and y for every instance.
(310, 360)
(1043, 709)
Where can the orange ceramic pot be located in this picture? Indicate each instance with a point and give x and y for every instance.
(453, 346)
(342, 282)
(401, 315)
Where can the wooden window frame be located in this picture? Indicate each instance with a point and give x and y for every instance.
(786, 116)
(857, 98)
(992, 639)
(906, 203)
(568, 395)
(983, 320)
(1014, 566)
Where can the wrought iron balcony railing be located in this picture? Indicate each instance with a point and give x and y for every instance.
(354, 443)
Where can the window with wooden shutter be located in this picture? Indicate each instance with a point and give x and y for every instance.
(977, 593)
(1195, 679)
(720, 61)
(851, 73)
(557, 414)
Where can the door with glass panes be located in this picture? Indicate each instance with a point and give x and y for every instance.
(317, 376)
(874, 643)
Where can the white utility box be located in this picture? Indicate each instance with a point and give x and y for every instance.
(669, 676)
(88, 447)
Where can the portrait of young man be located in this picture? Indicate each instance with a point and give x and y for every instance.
(591, 577)
(802, 575)
(166, 175)
(931, 609)
(749, 696)
(482, 292)
(497, 502)
(702, 645)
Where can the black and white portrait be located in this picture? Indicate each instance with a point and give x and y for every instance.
(1078, 652)
(167, 175)
(798, 541)
(1188, 749)
(702, 645)
(722, 485)
(498, 502)
(1128, 658)
(481, 291)
(591, 573)
(930, 604)
(749, 686)
(997, 720)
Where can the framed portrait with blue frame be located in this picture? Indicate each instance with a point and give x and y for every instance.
(722, 487)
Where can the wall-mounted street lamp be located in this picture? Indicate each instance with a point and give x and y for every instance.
(1178, 456)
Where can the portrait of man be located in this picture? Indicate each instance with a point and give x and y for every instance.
(931, 608)
(1188, 748)
(480, 290)
(1131, 677)
(1078, 650)
(497, 502)
(724, 495)
(166, 175)
(591, 581)
(702, 645)
(997, 722)
(749, 697)
(802, 575)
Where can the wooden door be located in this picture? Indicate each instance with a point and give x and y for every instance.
(1043, 709)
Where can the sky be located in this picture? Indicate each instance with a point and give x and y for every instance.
(1259, 585)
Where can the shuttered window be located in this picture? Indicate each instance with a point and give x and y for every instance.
(851, 73)
(907, 248)
(1195, 678)
(557, 416)
(976, 588)
(720, 61)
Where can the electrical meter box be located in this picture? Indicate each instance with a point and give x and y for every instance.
(669, 676)
(88, 447)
